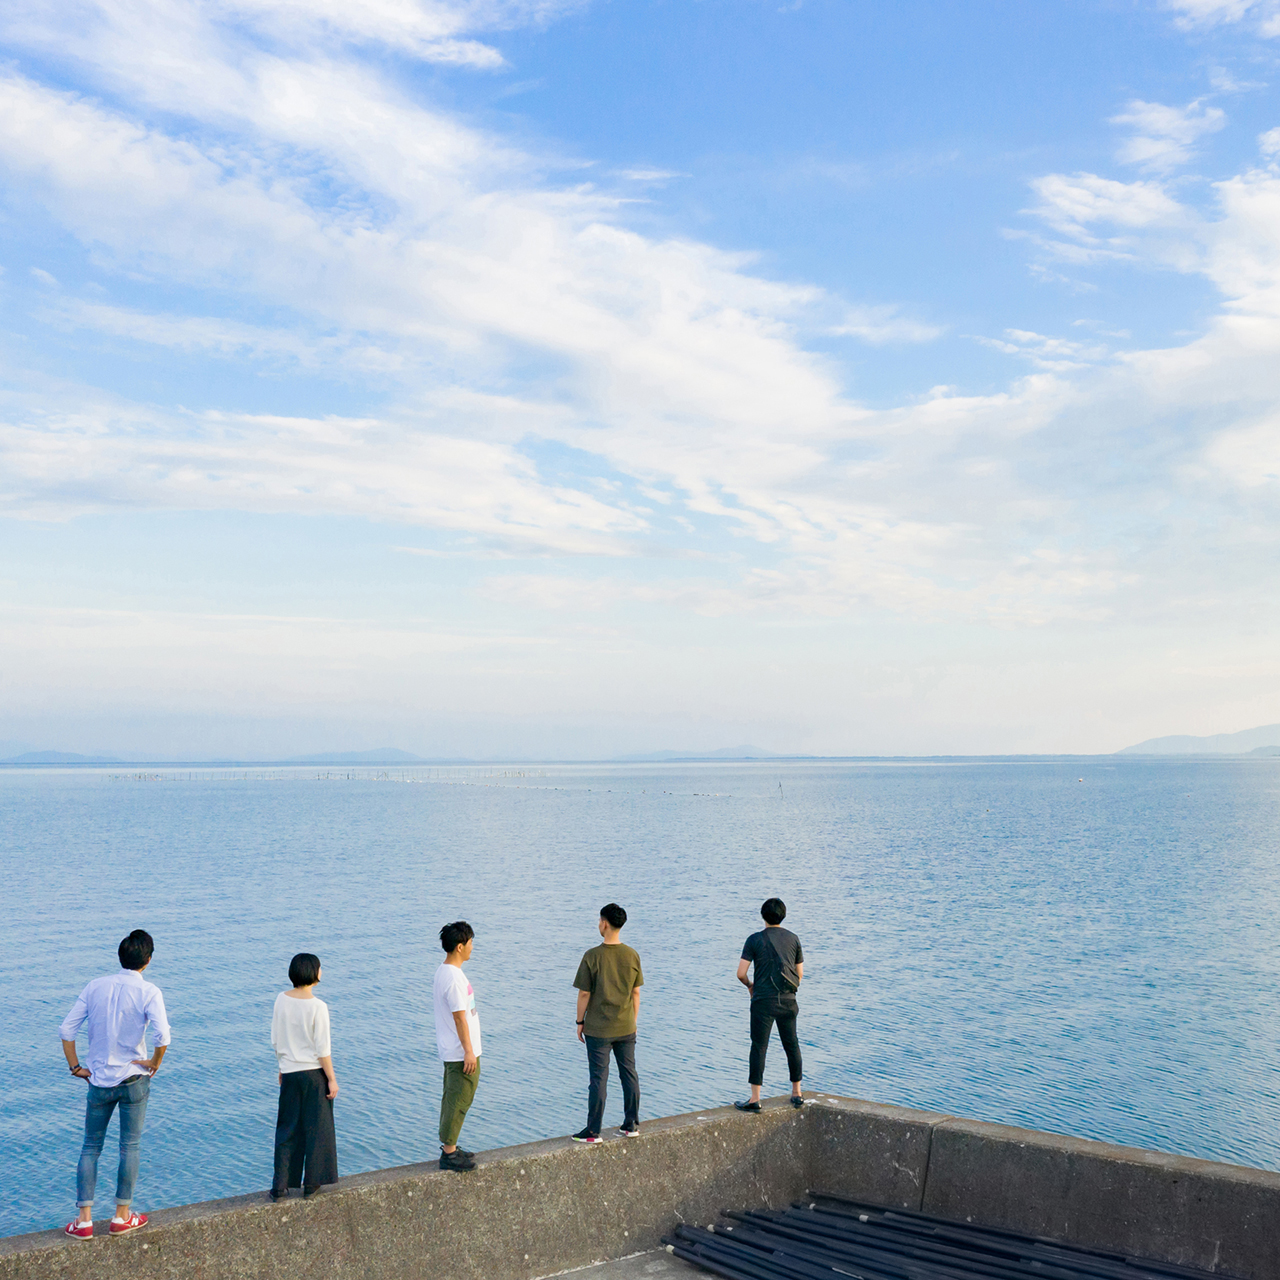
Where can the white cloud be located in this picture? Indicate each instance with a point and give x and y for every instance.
(1249, 456)
(1074, 203)
(1059, 355)
(880, 325)
(1163, 137)
(1209, 13)
(516, 314)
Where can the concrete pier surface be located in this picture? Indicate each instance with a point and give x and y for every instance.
(653, 1264)
(555, 1207)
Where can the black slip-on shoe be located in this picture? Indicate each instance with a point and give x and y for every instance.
(308, 1192)
(277, 1195)
(747, 1106)
(458, 1161)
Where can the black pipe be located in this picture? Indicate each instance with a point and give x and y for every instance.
(972, 1230)
(830, 1237)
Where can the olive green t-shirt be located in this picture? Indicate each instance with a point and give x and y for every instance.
(610, 973)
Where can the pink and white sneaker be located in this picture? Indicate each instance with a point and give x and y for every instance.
(78, 1230)
(122, 1226)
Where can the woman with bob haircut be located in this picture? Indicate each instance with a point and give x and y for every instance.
(305, 1138)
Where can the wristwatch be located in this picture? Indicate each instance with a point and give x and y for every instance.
(75, 1066)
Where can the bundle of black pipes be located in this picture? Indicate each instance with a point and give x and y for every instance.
(827, 1236)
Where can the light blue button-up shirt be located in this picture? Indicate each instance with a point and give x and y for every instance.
(117, 1010)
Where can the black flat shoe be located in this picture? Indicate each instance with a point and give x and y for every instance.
(797, 1101)
(277, 1195)
(747, 1106)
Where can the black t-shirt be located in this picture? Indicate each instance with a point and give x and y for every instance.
(775, 953)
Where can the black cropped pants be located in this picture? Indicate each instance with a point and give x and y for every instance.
(764, 1013)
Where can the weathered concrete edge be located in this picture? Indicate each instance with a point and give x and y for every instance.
(1220, 1217)
(526, 1211)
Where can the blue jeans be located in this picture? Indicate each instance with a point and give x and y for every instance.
(131, 1097)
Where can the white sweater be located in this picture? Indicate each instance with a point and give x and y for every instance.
(300, 1033)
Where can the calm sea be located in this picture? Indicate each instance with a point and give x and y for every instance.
(1085, 947)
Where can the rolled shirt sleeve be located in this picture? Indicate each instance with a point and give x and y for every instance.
(74, 1022)
(157, 1017)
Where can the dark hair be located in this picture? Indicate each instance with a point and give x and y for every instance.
(304, 969)
(774, 911)
(136, 949)
(455, 935)
(613, 915)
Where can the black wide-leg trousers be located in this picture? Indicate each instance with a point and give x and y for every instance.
(305, 1139)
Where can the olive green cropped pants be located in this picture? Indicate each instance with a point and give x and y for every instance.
(459, 1091)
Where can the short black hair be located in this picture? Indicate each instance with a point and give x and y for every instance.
(455, 935)
(304, 969)
(135, 950)
(774, 911)
(613, 915)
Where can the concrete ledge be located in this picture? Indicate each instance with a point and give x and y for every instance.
(550, 1206)
(1219, 1217)
(526, 1211)
(869, 1151)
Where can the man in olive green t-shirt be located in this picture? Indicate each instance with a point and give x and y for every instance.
(609, 981)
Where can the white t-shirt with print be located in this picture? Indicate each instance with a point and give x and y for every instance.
(453, 994)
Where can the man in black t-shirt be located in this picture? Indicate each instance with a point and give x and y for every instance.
(778, 959)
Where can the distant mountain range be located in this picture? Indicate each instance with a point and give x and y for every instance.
(391, 755)
(58, 757)
(721, 753)
(379, 755)
(1263, 741)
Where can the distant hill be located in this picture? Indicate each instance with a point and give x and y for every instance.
(1265, 751)
(721, 753)
(379, 755)
(1247, 741)
(58, 757)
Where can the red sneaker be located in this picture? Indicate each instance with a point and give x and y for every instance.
(80, 1230)
(122, 1226)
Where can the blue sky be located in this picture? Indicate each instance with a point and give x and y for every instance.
(518, 378)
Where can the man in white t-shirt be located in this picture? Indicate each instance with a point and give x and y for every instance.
(458, 1040)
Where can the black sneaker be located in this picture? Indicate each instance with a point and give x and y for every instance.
(459, 1161)
(747, 1106)
(629, 1130)
(797, 1100)
(277, 1195)
(587, 1136)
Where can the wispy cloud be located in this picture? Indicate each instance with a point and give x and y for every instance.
(1164, 138)
(1264, 14)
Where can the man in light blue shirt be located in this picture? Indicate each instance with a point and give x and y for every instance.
(117, 1010)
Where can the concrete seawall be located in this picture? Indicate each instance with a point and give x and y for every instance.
(545, 1207)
